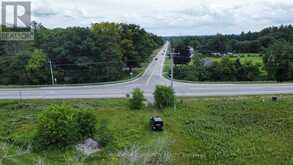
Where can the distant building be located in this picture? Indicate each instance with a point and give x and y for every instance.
(208, 62)
(191, 50)
(218, 54)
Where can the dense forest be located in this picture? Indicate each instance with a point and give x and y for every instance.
(100, 53)
(274, 45)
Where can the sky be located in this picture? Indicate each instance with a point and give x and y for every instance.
(168, 17)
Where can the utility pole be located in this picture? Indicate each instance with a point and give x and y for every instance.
(51, 71)
(172, 53)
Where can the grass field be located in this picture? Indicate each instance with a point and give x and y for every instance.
(244, 57)
(211, 130)
(167, 66)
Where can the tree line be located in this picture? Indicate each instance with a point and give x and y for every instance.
(98, 53)
(250, 42)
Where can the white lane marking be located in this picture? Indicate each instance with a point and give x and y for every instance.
(150, 77)
(158, 56)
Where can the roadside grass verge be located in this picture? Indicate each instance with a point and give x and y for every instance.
(203, 130)
(167, 66)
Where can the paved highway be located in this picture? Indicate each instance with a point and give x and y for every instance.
(147, 82)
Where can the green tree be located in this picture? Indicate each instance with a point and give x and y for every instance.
(164, 96)
(228, 69)
(14, 71)
(219, 43)
(137, 99)
(277, 59)
(130, 55)
(240, 72)
(198, 68)
(56, 128)
(106, 28)
(195, 44)
(79, 55)
(37, 67)
(60, 126)
(250, 71)
(196, 71)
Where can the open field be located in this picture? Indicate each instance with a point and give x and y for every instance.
(211, 130)
(254, 58)
(244, 57)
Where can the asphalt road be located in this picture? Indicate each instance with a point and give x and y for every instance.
(147, 82)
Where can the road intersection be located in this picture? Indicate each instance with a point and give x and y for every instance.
(147, 82)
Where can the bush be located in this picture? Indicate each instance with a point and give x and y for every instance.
(86, 122)
(164, 96)
(137, 99)
(56, 128)
(60, 126)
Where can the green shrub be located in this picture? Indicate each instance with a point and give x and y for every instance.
(86, 121)
(56, 128)
(60, 126)
(137, 99)
(164, 96)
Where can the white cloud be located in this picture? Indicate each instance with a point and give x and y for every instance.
(168, 17)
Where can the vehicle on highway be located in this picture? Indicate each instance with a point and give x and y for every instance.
(156, 123)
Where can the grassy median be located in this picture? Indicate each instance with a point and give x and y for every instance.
(210, 130)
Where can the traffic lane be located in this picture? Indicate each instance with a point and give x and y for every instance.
(65, 93)
(219, 84)
(218, 90)
(232, 90)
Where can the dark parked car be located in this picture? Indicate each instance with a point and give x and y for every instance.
(156, 123)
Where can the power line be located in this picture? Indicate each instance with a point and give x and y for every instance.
(97, 63)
